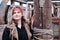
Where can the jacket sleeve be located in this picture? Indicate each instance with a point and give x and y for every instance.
(6, 33)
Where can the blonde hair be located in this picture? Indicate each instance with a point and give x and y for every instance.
(12, 12)
(11, 24)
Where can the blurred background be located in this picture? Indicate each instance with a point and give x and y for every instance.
(46, 15)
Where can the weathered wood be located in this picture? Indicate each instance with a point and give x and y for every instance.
(43, 20)
(37, 14)
(2, 12)
(47, 15)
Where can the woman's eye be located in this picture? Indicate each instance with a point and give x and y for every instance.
(14, 13)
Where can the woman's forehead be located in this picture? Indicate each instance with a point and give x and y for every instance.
(17, 9)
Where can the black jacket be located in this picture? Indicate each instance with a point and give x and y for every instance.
(6, 35)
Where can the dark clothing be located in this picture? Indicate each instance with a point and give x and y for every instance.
(21, 34)
(5, 35)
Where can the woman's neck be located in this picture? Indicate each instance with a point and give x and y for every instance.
(19, 23)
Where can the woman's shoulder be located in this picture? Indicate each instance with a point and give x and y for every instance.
(6, 29)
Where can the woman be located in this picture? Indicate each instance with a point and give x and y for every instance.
(18, 28)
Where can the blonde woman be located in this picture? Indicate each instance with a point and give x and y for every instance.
(18, 28)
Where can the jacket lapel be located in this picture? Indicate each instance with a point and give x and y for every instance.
(28, 31)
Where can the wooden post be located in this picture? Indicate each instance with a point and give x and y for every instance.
(43, 20)
(37, 14)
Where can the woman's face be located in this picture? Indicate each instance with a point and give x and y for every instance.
(17, 14)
